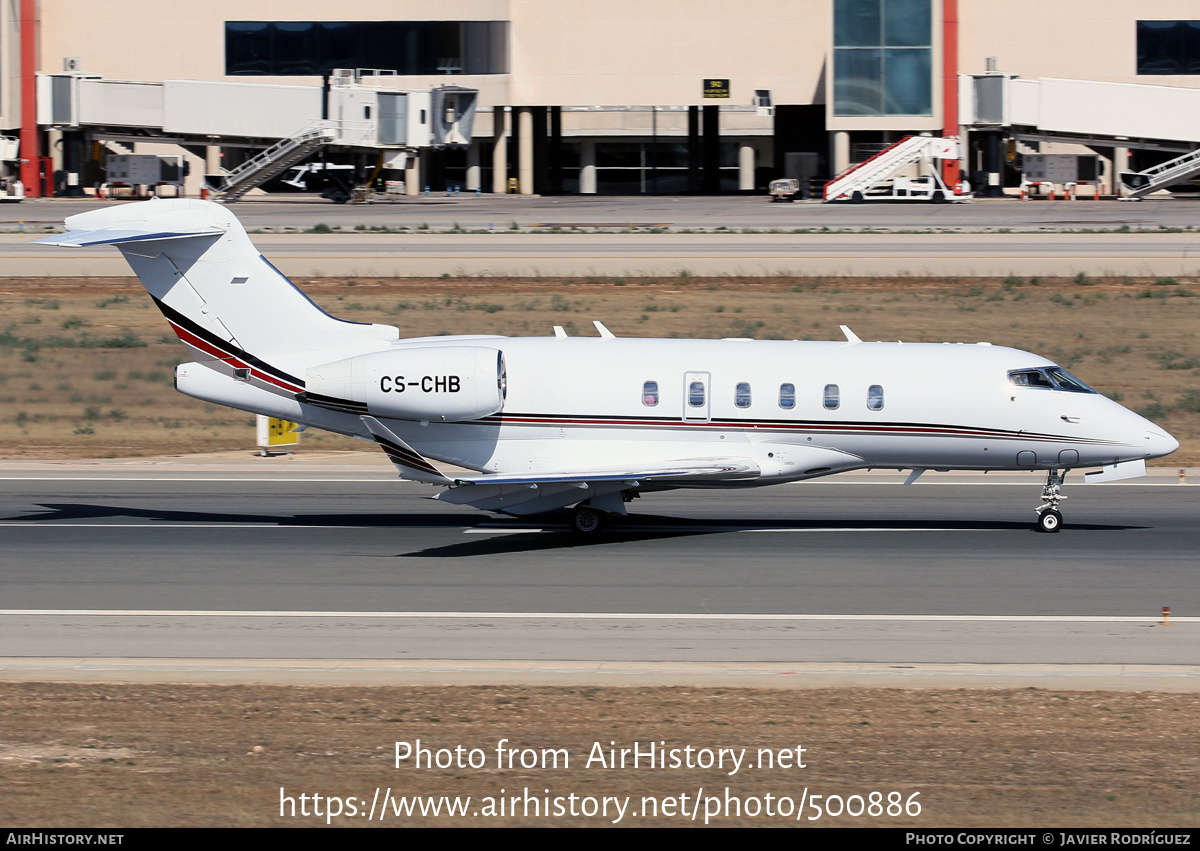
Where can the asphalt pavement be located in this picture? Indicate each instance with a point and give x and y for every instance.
(304, 566)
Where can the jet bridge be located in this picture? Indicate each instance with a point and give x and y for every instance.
(1092, 113)
(362, 109)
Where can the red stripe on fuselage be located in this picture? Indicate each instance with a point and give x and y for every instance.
(208, 348)
(912, 430)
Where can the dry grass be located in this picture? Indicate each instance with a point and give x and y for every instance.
(69, 389)
(147, 755)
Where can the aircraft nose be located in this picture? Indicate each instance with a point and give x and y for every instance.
(1159, 443)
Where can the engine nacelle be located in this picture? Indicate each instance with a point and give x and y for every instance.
(436, 383)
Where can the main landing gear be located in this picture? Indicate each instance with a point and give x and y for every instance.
(586, 520)
(1050, 519)
(592, 515)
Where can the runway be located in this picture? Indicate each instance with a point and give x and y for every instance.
(516, 237)
(499, 212)
(328, 569)
(673, 254)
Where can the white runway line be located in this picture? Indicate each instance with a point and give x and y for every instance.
(53, 525)
(213, 613)
(476, 530)
(199, 478)
(389, 477)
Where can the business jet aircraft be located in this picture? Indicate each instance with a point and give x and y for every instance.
(594, 422)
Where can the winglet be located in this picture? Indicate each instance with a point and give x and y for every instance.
(851, 337)
(604, 332)
(411, 464)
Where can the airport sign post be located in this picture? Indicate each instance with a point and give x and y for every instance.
(274, 432)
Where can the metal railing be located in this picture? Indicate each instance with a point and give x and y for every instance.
(276, 159)
(1161, 176)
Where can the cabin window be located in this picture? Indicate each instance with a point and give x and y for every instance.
(650, 394)
(741, 396)
(875, 397)
(787, 396)
(696, 394)
(833, 397)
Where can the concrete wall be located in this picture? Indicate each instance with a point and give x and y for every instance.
(635, 52)
(10, 66)
(608, 52)
(1075, 39)
(605, 52)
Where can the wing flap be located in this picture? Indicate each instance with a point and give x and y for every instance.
(530, 493)
(534, 493)
(714, 469)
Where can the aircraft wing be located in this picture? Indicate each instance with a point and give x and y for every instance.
(530, 493)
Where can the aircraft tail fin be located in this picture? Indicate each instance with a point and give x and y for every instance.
(196, 261)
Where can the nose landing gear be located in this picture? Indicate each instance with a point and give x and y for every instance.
(1050, 519)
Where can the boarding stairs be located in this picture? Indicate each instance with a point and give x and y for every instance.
(859, 180)
(275, 160)
(1141, 183)
(117, 148)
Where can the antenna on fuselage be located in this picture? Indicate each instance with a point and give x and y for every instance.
(851, 337)
(560, 332)
(604, 332)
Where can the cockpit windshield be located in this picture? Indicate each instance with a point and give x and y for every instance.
(1048, 378)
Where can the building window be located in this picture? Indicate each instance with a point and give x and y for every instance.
(787, 396)
(1168, 47)
(311, 48)
(882, 57)
(650, 394)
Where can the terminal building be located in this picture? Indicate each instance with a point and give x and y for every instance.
(593, 96)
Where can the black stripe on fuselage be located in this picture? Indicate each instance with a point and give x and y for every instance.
(405, 456)
(210, 339)
(176, 318)
(333, 403)
(856, 427)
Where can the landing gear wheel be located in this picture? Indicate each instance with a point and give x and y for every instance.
(1049, 521)
(1049, 518)
(586, 520)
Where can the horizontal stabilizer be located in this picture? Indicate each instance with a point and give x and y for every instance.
(113, 236)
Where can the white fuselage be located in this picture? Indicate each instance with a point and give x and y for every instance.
(556, 421)
(581, 402)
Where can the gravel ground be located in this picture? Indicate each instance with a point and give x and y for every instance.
(170, 755)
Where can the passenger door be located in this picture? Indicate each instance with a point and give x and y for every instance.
(696, 397)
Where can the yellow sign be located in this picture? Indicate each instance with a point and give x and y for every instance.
(716, 88)
(276, 432)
